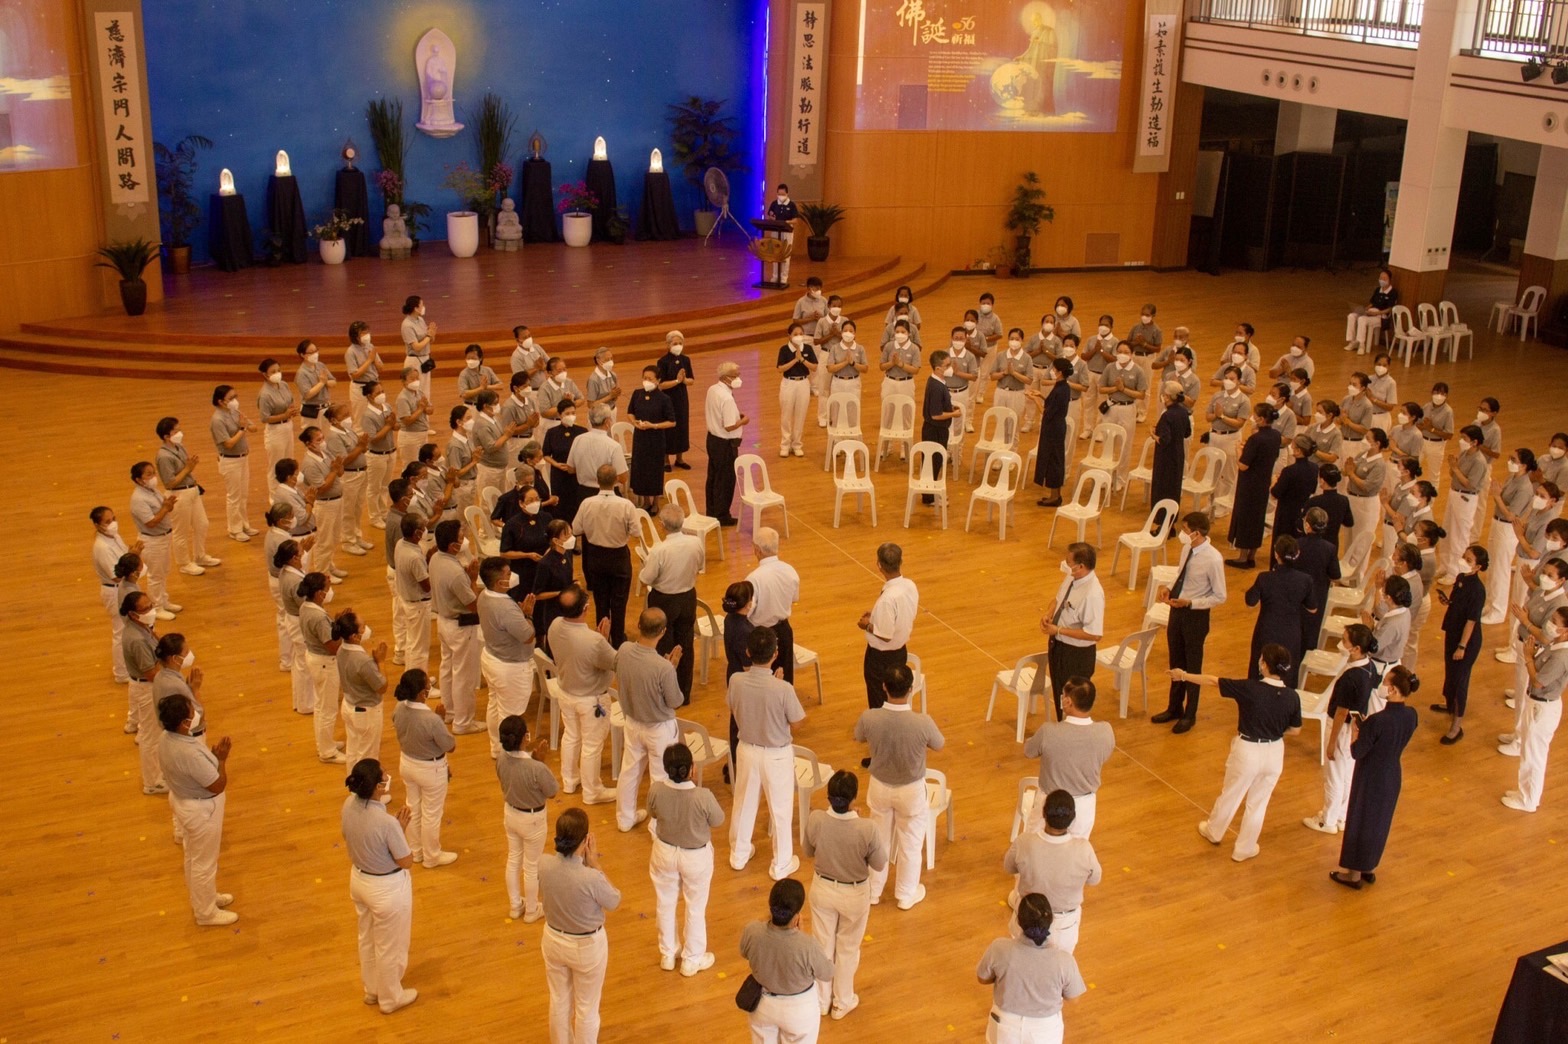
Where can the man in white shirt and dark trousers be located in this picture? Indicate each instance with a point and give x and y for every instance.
(889, 623)
(650, 695)
(1199, 587)
(764, 706)
(1072, 752)
(586, 662)
(724, 422)
(607, 523)
(899, 738)
(453, 601)
(670, 574)
(847, 850)
(1055, 861)
(197, 778)
(777, 588)
(1077, 621)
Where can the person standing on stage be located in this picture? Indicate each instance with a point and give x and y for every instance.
(898, 737)
(670, 574)
(1073, 752)
(724, 423)
(1076, 622)
(379, 884)
(419, 337)
(777, 587)
(1199, 587)
(889, 623)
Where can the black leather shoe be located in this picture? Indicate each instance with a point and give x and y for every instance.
(729, 522)
(1449, 741)
(1236, 563)
(1344, 879)
(1184, 725)
(1369, 877)
(1441, 708)
(865, 763)
(1165, 717)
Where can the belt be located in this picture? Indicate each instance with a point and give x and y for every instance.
(389, 873)
(274, 424)
(438, 757)
(362, 385)
(839, 377)
(382, 453)
(328, 500)
(182, 489)
(797, 993)
(794, 378)
(836, 881)
(683, 848)
(562, 931)
(110, 583)
(1251, 739)
(1434, 438)
(891, 378)
(233, 456)
(1152, 351)
(361, 710)
(1118, 402)
(1542, 699)
(530, 811)
(1500, 518)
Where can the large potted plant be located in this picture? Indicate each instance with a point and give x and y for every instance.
(176, 172)
(130, 260)
(462, 226)
(1025, 215)
(820, 217)
(330, 236)
(493, 124)
(577, 205)
(390, 137)
(702, 138)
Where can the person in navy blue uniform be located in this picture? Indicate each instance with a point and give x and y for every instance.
(1319, 559)
(1283, 596)
(1294, 486)
(936, 411)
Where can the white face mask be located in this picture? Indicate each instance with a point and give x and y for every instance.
(1184, 536)
(233, 405)
(847, 337)
(648, 386)
(835, 311)
(1481, 417)
(957, 348)
(468, 424)
(1352, 390)
(947, 371)
(364, 339)
(1554, 544)
(1181, 365)
(797, 340)
(1380, 369)
(1465, 446)
(1015, 346)
(569, 543)
(312, 357)
(531, 509)
(328, 600)
(1230, 383)
(1514, 467)
(1061, 309)
(1404, 418)
(113, 528)
(189, 661)
(196, 723)
(472, 364)
(1069, 351)
(462, 548)
(735, 383)
(1105, 331)
(380, 399)
(607, 365)
(1240, 339)
(676, 349)
(903, 298)
(1272, 401)
(1123, 359)
(412, 385)
(177, 438)
(901, 337)
(1146, 319)
(1538, 502)
(1548, 583)
(1066, 569)
(815, 295)
(1296, 351)
(970, 324)
(275, 378)
(1238, 358)
(146, 619)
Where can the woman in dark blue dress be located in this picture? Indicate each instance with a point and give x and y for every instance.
(552, 575)
(675, 373)
(1295, 485)
(1282, 595)
(1462, 636)
(1050, 465)
(653, 418)
(1374, 789)
(738, 600)
(1171, 433)
(1254, 470)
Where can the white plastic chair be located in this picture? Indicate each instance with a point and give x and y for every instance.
(1428, 323)
(804, 657)
(1407, 338)
(925, 458)
(1137, 541)
(1130, 657)
(852, 477)
(709, 635)
(998, 434)
(649, 536)
(1203, 476)
(1158, 614)
(1143, 471)
(1448, 312)
(697, 524)
(1524, 313)
(811, 775)
(898, 426)
(917, 689)
(1105, 449)
(758, 497)
(956, 433)
(621, 431)
(486, 540)
(546, 685)
(1351, 571)
(939, 801)
(1027, 682)
(843, 423)
(704, 752)
(1314, 707)
(1028, 796)
(998, 487)
(490, 494)
(1090, 498)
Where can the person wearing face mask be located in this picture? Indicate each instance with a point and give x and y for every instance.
(966, 370)
(362, 363)
(552, 576)
(289, 560)
(1319, 559)
(1405, 436)
(846, 362)
(1390, 619)
(739, 599)
(380, 423)
(1553, 464)
(1355, 417)
(363, 685)
(674, 372)
(1462, 634)
(1076, 622)
(1374, 791)
(811, 306)
(1548, 596)
(606, 525)
(461, 461)
(650, 697)
(518, 415)
(176, 473)
(280, 520)
(1242, 339)
(277, 409)
(1437, 430)
(900, 362)
(1408, 503)
(1364, 324)
(1491, 432)
(797, 362)
(556, 450)
(229, 429)
(783, 209)
(1297, 358)
(476, 377)
(1284, 423)
(528, 357)
(765, 707)
(1382, 392)
(424, 743)
(576, 895)
(604, 388)
(903, 304)
(139, 648)
(1350, 701)
(1469, 475)
(108, 549)
(652, 417)
(1227, 415)
(1172, 430)
(1366, 473)
(1334, 505)
(786, 966)
(898, 738)
(937, 411)
(151, 511)
(597, 448)
(1235, 358)
(1326, 435)
(888, 624)
(489, 442)
(526, 786)
(506, 656)
(412, 411)
(558, 385)
(525, 538)
(1546, 672)
(454, 592)
(1176, 365)
(1014, 375)
(669, 573)
(1300, 401)
(198, 779)
(351, 449)
(1255, 467)
(1536, 533)
(324, 477)
(412, 579)
(175, 660)
(1050, 466)
(321, 650)
(1283, 596)
(1125, 386)
(1097, 352)
(315, 383)
(1043, 348)
(724, 422)
(419, 337)
(1032, 979)
(1511, 504)
(1145, 339)
(1406, 559)
(1077, 383)
(977, 343)
(888, 331)
(1198, 588)
(379, 884)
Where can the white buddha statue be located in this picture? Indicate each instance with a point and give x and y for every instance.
(508, 229)
(395, 242)
(435, 62)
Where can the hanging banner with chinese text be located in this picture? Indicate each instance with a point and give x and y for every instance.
(1157, 93)
(806, 88)
(127, 156)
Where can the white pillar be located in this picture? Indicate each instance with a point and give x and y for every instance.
(1304, 128)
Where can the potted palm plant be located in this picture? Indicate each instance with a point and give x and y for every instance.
(1025, 215)
(462, 226)
(703, 138)
(130, 260)
(330, 235)
(176, 172)
(820, 217)
(493, 123)
(577, 205)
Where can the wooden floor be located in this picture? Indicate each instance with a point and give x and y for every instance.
(1179, 943)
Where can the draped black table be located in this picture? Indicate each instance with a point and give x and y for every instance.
(228, 233)
(657, 219)
(1535, 1011)
(601, 182)
(286, 217)
(351, 196)
(538, 203)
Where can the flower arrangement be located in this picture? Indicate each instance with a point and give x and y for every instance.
(472, 187)
(500, 179)
(336, 226)
(577, 198)
(390, 182)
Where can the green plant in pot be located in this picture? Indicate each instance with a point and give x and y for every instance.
(130, 260)
(176, 172)
(701, 138)
(820, 217)
(1025, 215)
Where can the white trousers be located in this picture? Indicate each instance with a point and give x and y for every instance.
(385, 910)
(280, 624)
(425, 782)
(279, 442)
(763, 771)
(1535, 741)
(200, 822)
(794, 397)
(362, 733)
(329, 529)
(489, 478)
(1459, 521)
(1432, 469)
(356, 403)
(511, 687)
(899, 814)
(842, 386)
(1364, 515)
(905, 389)
(524, 842)
(642, 748)
(324, 686)
(235, 472)
(1003, 1028)
(397, 630)
(1501, 546)
(155, 556)
(1084, 809)
(148, 732)
(408, 443)
(1010, 400)
(1150, 385)
(839, 913)
(582, 743)
(1251, 770)
(351, 525)
(301, 685)
(786, 1020)
(378, 473)
(413, 624)
(1337, 771)
(574, 968)
(685, 874)
(459, 669)
(111, 605)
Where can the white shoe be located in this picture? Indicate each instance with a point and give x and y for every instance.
(173, 607)
(701, 964)
(370, 998)
(164, 614)
(336, 758)
(1350, 347)
(840, 1010)
(1240, 857)
(602, 797)
(794, 864)
(797, 451)
(666, 962)
(737, 867)
(1515, 804)
(242, 536)
(192, 569)
(224, 899)
(515, 913)
(209, 561)
(1316, 823)
(469, 729)
(1203, 830)
(249, 531)
(1509, 749)
(784, 452)
(338, 574)
(354, 549)
(530, 918)
(409, 997)
(1492, 620)
(156, 789)
(441, 859)
(130, 728)
(1510, 702)
(910, 904)
(1507, 737)
(379, 523)
(642, 816)
(367, 545)
(217, 920)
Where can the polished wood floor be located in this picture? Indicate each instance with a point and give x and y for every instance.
(1179, 943)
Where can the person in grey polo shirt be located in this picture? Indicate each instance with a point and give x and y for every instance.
(848, 850)
(526, 784)
(764, 706)
(453, 596)
(412, 579)
(151, 511)
(898, 737)
(425, 743)
(1053, 862)
(787, 964)
(1072, 751)
(575, 948)
(681, 861)
(650, 696)
(229, 429)
(1032, 980)
(139, 646)
(362, 684)
(585, 661)
(176, 471)
(506, 660)
(670, 574)
(198, 779)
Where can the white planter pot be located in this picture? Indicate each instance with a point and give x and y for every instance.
(577, 228)
(333, 251)
(462, 233)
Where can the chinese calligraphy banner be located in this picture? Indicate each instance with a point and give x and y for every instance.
(806, 88)
(1157, 92)
(1004, 65)
(127, 155)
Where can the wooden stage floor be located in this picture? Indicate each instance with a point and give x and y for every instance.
(1179, 944)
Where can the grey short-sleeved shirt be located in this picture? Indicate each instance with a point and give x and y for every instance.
(840, 352)
(1057, 866)
(1473, 466)
(647, 684)
(525, 783)
(575, 897)
(361, 681)
(470, 379)
(601, 384)
(140, 647)
(341, 441)
(270, 542)
(451, 588)
(289, 579)
(354, 357)
(1516, 494)
(1132, 379)
(583, 656)
(392, 535)
(413, 330)
(1358, 410)
(786, 961)
(684, 813)
(421, 734)
(1369, 475)
(274, 399)
(189, 768)
(508, 633)
(145, 503)
(1031, 981)
(764, 707)
(907, 359)
(1327, 441)
(1551, 673)
(1014, 371)
(307, 377)
(410, 568)
(1383, 388)
(316, 626)
(316, 472)
(1071, 756)
(967, 363)
(372, 836)
(170, 461)
(1228, 404)
(1440, 417)
(899, 738)
(485, 435)
(225, 425)
(407, 405)
(846, 848)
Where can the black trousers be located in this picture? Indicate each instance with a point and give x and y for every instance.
(1184, 637)
(1067, 661)
(786, 656)
(937, 433)
(719, 491)
(680, 612)
(607, 573)
(875, 667)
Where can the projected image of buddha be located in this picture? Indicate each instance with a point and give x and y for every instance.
(1038, 92)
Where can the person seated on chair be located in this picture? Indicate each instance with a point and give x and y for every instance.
(1361, 323)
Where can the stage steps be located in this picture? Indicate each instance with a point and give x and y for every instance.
(75, 348)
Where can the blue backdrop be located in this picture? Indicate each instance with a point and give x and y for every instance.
(259, 75)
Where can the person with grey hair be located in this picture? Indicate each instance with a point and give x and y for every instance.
(777, 587)
(670, 574)
(604, 388)
(649, 698)
(888, 623)
(595, 448)
(607, 523)
(724, 421)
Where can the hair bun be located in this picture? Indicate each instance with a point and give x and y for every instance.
(1415, 683)
(1371, 646)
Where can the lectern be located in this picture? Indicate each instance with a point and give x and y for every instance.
(772, 250)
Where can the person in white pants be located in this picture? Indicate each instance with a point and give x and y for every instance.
(352, 448)
(1051, 860)
(1352, 695)
(847, 849)
(507, 648)
(1228, 412)
(324, 476)
(280, 520)
(1437, 429)
(176, 472)
(379, 884)
(585, 659)
(141, 664)
(412, 411)
(379, 420)
(683, 816)
(1032, 979)
(277, 408)
(788, 965)
(650, 696)
(108, 547)
(362, 364)
(797, 364)
(150, 510)
(1509, 502)
(1126, 388)
(575, 947)
(197, 780)
(1267, 710)
(363, 687)
(1469, 475)
(454, 600)
(825, 336)
(321, 647)
(764, 707)
(229, 429)
(845, 364)
(425, 742)
(291, 582)
(898, 737)
(1548, 677)
(526, 784)
(412, 580)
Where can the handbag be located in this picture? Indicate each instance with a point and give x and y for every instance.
(1105, 406)
(310, 409)
(427, 366)
(749, 995)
